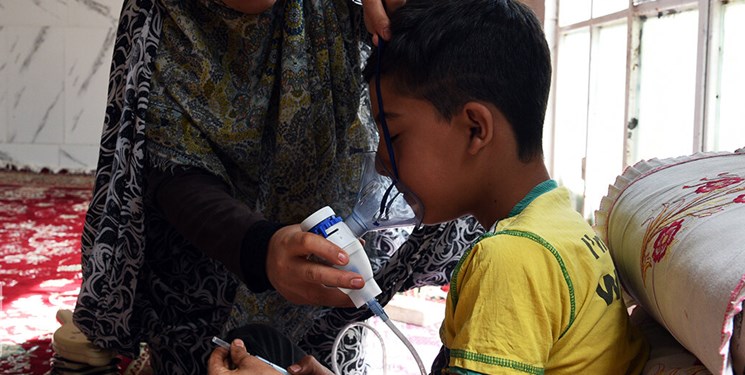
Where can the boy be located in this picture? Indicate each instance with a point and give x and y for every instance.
(464, 85)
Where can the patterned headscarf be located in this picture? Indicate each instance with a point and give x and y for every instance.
(267, 102)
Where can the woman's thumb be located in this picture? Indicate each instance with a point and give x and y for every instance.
(238, 351)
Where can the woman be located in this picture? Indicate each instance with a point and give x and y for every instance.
(223, 129)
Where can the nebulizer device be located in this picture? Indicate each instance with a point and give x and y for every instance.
(382, 203)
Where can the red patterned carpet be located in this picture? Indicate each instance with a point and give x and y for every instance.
(41, 218)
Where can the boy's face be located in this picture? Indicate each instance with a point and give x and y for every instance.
(429, 152)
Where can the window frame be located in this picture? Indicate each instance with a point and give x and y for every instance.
(709, 16)
(707, 84)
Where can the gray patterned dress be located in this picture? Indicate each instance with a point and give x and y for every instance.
(269, 103)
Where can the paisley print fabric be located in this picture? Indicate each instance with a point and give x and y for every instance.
(271, 104)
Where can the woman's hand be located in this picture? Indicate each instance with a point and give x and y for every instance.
(309, 366)
(249, 6)
(376, 13)
(376, 17)
(303, 281)
(236, 361)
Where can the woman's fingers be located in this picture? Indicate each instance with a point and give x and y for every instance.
(219, 362)
(308, 365)
(377, 18)
(239, 354)
(294, 272)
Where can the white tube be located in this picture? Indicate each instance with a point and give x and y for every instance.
(406, 342)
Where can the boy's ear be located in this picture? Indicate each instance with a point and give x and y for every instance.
(480, 122)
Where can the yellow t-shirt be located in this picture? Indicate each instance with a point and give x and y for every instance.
(540, 294)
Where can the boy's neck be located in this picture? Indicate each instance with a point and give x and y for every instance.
(506, 192)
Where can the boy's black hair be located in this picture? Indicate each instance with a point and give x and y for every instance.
(450, 52)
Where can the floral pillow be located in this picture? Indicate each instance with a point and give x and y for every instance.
(676, 230)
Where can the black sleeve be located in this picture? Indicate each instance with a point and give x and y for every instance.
(200, 206)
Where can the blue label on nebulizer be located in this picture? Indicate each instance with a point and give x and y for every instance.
(320, 228)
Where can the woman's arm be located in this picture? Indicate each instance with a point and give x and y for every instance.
(263, 254)
(199, 205)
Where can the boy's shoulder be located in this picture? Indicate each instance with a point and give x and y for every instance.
(549, 224)
(550, 211)
(513, 250)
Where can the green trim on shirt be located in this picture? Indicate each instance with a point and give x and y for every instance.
(543, 187)
(496, 361)
(539, 240)
(538, 190)
(454, 279)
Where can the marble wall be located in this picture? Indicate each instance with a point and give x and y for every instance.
(54, 64)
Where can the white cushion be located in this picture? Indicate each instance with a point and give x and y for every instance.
(676, 230)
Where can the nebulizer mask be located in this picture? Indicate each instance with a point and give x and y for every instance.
(383, 202)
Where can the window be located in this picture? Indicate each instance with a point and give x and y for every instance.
(571, 112)
(641, 79)
(663, 122)
(727, 129)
